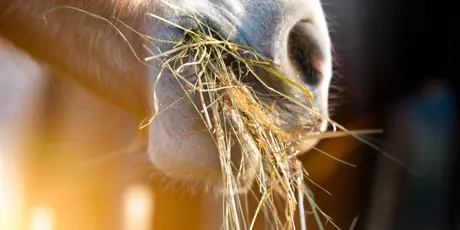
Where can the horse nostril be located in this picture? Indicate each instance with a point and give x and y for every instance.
(304, 53)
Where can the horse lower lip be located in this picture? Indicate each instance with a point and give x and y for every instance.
(305, 146)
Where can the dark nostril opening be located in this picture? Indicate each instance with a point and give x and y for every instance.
(305, 53)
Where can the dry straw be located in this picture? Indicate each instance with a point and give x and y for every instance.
(233, 113)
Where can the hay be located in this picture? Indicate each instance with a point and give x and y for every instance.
(232, 112)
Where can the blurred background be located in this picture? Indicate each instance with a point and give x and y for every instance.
(68, 160)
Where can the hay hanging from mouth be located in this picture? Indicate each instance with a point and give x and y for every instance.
(233, 113)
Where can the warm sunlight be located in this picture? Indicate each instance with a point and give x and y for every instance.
(137, 208)
(1, 175)
(9, 192)
(42, 218)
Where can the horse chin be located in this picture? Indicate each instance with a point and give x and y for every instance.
(192, 159)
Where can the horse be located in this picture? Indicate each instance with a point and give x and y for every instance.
(91, 52)
(102, 55)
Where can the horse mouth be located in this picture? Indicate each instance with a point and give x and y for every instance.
(251, 95)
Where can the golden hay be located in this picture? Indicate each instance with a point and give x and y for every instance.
(236, 113)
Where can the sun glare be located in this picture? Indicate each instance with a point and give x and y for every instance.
(1, 176)
(137, 210)
(42, 219)
(10, 193)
